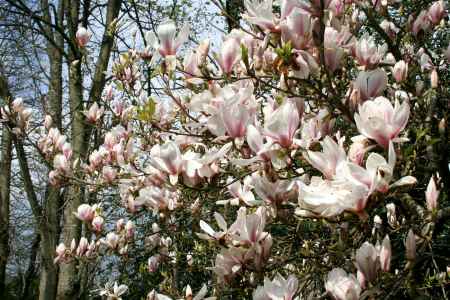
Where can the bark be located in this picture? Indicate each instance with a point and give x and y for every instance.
(69, 284)
(30, 274)
(49, 275)
(5, 180)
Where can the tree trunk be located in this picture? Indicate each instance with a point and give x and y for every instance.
(5, 179)
(69, 277)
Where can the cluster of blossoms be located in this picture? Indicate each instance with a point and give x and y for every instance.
(260, 120)
(17, 115)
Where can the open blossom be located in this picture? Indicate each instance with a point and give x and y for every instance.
(335, 43)
(327, 161)
(169, 41)
(431, 195)
(342, 286)
(114, 292)
(278, 288)
(274, 193)
(85, 212)
(97, 223)
(378, 120)
(94, 113)
(260, 13)
(82, 36)
(368, 53)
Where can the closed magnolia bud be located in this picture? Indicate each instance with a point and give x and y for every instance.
(410, 245)
(153, 263)
(391, 215)
(400, 71)
(366, 261)
(436, 12)
(189, 259)
(120, 224)
(431, 195)
(129, 229)
(385, 254)
(82, 246)
(85, 213)
(434, 78)
(82, 36)
(48, 122)
(442, 126)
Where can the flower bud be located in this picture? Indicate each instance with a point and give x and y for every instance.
(410, 245)
(120, 224)
(129, 229)
(82, 246)
(48, 122)
(366, 261)
(434, 78)
(82, 36)
(400, 71)
(153, 263)
(436, 12)
(431, 195)
(385, 254)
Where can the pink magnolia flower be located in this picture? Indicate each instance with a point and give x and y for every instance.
(385, 254)
(328, 160)
(61, 253)
(235, 117)
(390, 28)
(260, 13)
(282, 124)
(85, 212)
(297, 29)
(400, 71)
(378, 120)
(432, 195)
(82, 36)
(342, 286)
(61, 164)
(436, 12)
(169, 42)
(370, 84)
(229, 55)
(367, 53)
(97, 223)
(421, 23)
(82, 247)
(367, 261)
(278, 288)
(334, 52)
(358, 149)
(168, 158)
(274, 193)
(94, 113)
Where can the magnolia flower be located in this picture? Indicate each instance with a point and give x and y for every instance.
(278, 288)
(370, 84)
(235, 117)
(85, 212)
(421, 23)
(327, 161)
(274, 193)
(385, 254)
(410, 245)
(153, 263)
(168, 41)
(297, 29)
(333, 48)
(168, 158)
(434, 79)
(367, 53)
(229, 55)
(378, 120)
(282, 124)
(431, 195)
(82, 36)
(112, 240)
(390, 28)
(241, 192)
(330, 198)
(358, 149)
(97, 223)
(114, 292)
(436, 12)
(342, 286)
(211, 233)
(82, 246)
(61, 163)
(400, 71)
(153, 295)
(260, 13)
(391, 215)
(367, 261)
(61, 253)
(94, 113)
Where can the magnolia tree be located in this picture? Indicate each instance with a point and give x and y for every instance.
(302, 158)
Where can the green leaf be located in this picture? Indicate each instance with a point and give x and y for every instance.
(145, 112)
